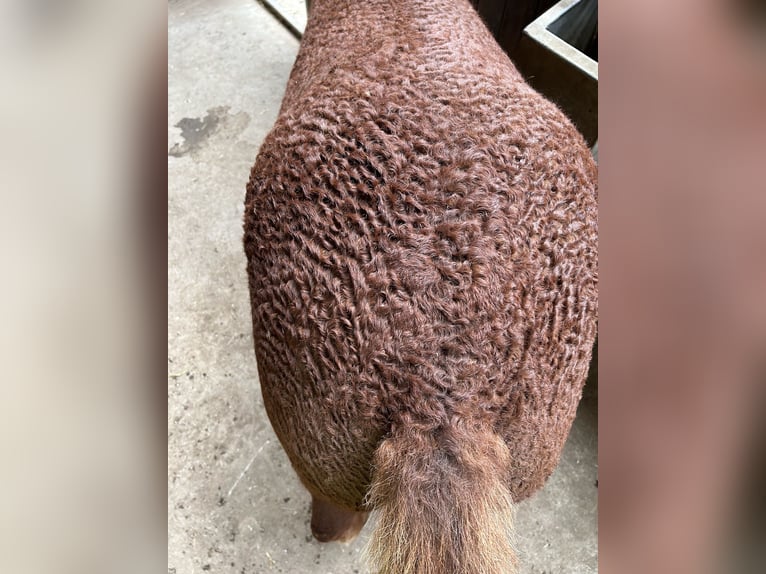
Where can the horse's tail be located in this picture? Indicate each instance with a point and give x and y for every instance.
(443, 503)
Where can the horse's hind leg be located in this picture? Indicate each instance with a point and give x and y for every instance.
(331, 523)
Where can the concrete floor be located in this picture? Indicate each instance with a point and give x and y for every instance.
(234, 504)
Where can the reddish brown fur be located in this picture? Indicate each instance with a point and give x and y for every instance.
(421, 237)
(333, 523)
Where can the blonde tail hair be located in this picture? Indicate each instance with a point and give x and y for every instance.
(442, 503)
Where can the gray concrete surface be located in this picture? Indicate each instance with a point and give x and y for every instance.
(293, 10)
(234, 504)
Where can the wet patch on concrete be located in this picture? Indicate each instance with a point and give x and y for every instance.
(196, 132)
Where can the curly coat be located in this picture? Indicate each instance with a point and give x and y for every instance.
(421, 238)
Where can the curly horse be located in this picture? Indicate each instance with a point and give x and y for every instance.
(421, 241)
